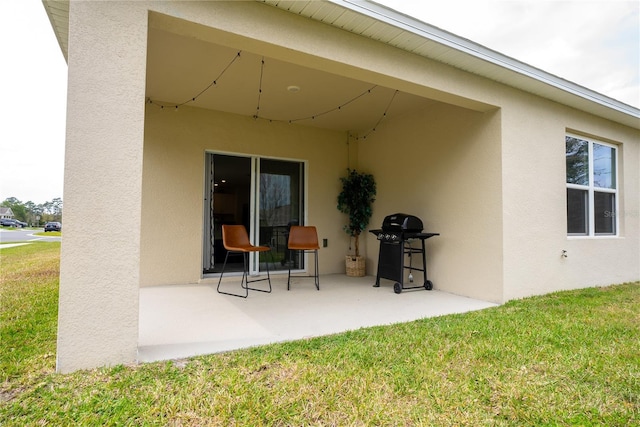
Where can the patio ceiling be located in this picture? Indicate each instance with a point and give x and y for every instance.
(181, 68)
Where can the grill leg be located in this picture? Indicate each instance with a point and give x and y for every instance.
(424, 263)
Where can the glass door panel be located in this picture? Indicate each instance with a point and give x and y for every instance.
(280, 206)
(228, 202)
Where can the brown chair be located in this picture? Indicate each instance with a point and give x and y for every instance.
(236, 240)
(304, 239)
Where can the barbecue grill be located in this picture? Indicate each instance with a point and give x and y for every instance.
(396, 236)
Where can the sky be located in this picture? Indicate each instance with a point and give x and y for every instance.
(594, 43)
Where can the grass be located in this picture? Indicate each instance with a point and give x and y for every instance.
(568, 358)
(49, 233)
(28, 310)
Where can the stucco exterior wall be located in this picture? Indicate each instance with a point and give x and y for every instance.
(534, 194)
(443, 165)
(173, 184)
(100, 257)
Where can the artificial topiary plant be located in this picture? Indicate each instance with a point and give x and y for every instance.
(356, 200)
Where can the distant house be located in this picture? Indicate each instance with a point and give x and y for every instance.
(6, 213)
(532, 181)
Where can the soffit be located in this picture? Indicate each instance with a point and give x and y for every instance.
(58, 13)
(385, 25)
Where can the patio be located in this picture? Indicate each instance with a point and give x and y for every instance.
(189, 320)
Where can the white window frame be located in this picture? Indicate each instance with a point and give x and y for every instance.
(592, 189)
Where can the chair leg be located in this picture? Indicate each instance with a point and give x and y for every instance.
(246, 274)
(290, 263)
(246, 290)
(316, 274)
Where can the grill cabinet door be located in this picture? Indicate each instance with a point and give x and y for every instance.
(390, 261)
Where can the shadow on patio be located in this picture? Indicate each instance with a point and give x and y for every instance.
(189, 320)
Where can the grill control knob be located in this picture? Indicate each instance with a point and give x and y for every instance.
(387, 236)
(394, 237)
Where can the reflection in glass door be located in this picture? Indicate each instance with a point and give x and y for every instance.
(235, 189)
(227, 201)
(281, 200)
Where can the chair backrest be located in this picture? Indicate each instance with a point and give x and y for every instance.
(303, 237)
(235, 237)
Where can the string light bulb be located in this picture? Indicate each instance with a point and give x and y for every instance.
(291, 89)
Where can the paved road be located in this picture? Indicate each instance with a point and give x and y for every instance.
(14, 236)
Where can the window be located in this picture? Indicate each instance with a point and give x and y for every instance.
(591, 187)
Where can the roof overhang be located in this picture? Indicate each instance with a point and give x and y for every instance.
(58, 13)
(372, 20)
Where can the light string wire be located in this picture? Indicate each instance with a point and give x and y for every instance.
(339, 107)
(257, 116)
(214, 82)
(382, 117)
(313, 116)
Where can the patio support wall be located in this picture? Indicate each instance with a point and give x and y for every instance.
(99, 277)
(443, 165)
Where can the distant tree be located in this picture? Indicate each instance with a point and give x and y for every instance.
(56, 206)
(29, 211)
(18, 208)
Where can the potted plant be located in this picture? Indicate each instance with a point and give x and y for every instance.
(356, 200)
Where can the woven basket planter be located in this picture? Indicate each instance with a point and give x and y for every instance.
(355, 266)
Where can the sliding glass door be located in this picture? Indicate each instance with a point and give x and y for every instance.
(264, 195)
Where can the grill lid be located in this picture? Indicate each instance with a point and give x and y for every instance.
(402, 222)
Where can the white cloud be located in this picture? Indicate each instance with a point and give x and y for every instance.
(592, 43)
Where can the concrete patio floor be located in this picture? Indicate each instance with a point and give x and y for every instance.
(189, 320)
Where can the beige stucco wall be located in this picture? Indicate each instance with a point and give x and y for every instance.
(443, 165)
(173, 184)
(534, 194)
(100, 258)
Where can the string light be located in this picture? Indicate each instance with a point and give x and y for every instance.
(259, 88)
(338, 108)
(256, 116)
(381, 118)
(193, 99)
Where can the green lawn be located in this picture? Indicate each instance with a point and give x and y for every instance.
(49, 233)
(569, 358)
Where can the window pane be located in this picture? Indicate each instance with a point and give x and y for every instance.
(604, 167)
(577, 209)
(577, 152)
(605, 215)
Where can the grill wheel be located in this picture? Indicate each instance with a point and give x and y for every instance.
(397, 287)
